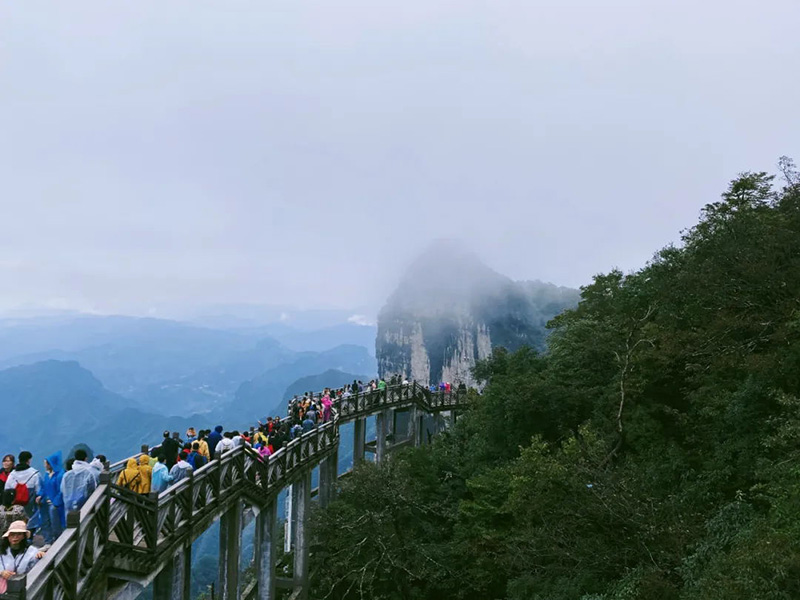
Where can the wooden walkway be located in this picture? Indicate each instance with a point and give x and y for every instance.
(120, 541)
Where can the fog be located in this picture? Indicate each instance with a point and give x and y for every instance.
(160, 156)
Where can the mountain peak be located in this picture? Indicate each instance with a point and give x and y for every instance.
(446, 274)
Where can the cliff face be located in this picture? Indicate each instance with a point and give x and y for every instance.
(450, 310)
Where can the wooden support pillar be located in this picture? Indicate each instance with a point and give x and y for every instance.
(334, 471)
(381, 429)
(359, 440)
(451, 419)
(301, 494)
(173, 582)
(230, 545)
(411, 432)
(328, 473)
(266, 550)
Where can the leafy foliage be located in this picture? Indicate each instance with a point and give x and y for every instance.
(651, 453)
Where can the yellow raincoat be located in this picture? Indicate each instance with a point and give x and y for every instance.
(130, 477)
(145, 475)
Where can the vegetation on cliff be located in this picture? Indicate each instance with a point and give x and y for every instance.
(651, 452)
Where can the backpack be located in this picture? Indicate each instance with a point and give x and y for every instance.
(21, 493)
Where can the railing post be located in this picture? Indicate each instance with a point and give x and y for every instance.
(230, 544)
(301, 492)
(266, 551)
(71, 587)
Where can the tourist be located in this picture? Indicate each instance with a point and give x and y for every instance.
(180, 469)
(129, 478)
(191, 435)
(214, 438)
(309, 422)
(161, 477)
(98, 464)
(78, 482)
(51, 501)
(8, 466)
(203, 444)
(25, 483)
(225, 444)
(196, 459)
(170, 448)
(145, 475)
(326, 407)
(17, 554)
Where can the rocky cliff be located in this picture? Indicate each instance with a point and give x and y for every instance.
(450, 310)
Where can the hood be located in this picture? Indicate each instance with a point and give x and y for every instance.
(218, 428)
(144, 460)
(80, 465)
(21, 467)
(55, 461)
(132, 464)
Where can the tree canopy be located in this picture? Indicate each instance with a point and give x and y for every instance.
(651, 452)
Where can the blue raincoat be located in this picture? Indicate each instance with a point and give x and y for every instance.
(51, 507)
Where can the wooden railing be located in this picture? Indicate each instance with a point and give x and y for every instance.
(120, 531)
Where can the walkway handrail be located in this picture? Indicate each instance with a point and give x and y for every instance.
(135, 533)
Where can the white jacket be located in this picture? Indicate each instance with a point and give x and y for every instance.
(21, 564)
(29, 477)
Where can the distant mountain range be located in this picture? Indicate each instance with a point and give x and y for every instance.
(117, 382)
(176, 368)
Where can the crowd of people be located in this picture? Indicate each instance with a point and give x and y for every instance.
(37, 501)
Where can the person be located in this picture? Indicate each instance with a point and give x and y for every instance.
(214, 438)
(79, 482)
(17, 554)
(98, 464)
(8, 466)
(237, 439)
(191, 435)
(309, 423)
(51, 501)
(161, 477)
(203, 445)
(195, 459)
(327, 403)
(181, 469)
(225, 444)
(145, 475)
(24, 475)
(170, 447)
(129, 478)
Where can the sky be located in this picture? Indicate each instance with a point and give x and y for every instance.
(157, 157)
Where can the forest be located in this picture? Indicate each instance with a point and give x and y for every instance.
(651, 451)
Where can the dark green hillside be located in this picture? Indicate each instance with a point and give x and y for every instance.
(651, 453)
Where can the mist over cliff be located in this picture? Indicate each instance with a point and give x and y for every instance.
(449, 310)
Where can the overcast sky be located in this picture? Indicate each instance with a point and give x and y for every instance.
(185, 153)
